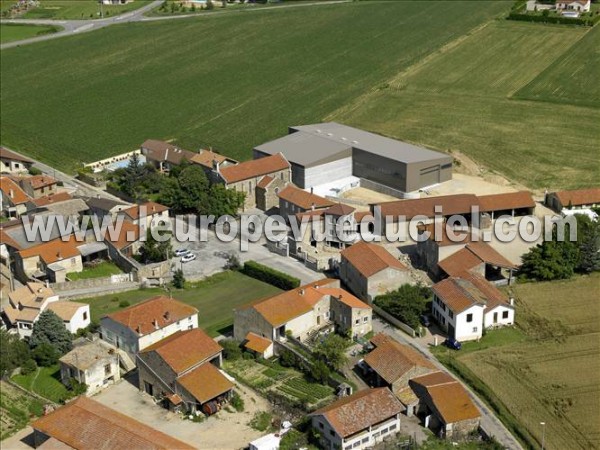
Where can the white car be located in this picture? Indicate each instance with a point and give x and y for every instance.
(189, 257)
(182, 252)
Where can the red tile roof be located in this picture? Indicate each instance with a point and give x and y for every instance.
(265, 181)
(129, 232)
(54, 198)
(156, 312)
(450, 205)
(489, 255)
(86, 424)
(369, 258)
(254, 168)
(448, 397)
(185, 349)
(257, 343)
(303, 199)
(151, 208)
(579, 197)
(471, 256)
(66, 309)
(391, 360)
(53, 251)
(8, 154)
(39, 181)
(163, 151)
(354, 413)
(345, 297)
(339, 209)
(13, 191)
(205, 383)
(461, 292)
(447, 236)
(506, 201)
(206, 158)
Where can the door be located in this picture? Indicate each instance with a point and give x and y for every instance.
(451, 332)
(495, 317)
(148, 388)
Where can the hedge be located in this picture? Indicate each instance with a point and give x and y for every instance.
(271, 276)
(554, 20)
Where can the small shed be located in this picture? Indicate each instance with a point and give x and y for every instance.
(260, 345)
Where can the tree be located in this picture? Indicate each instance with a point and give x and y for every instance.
(287, 358)
(194, 187)
(231, 349)
(319, 371)
(223, 201)
(332, 350)
(178, 279)
(13, 352)
(45, 355)
(153, 250)
(588, 237)
(49, 329)
(407, 303)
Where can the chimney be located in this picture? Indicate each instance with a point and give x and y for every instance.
(153, 208)
(312, 206)
(301, 291)
(167, 315)
(58, 255)
(311, 189)
(41, 289)
(47, 284)
(216, 165)
(155, 323)
(11, 193)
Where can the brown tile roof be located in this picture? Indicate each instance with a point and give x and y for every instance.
(39, 181)
(471, 256)
(51, 199)
(205, 383)
(339, 209)
(254, 168)
(282, 308)
(207, 157)
(450, 204)
(25, 315)
(345, 297)
(13, 191)
(354, 413)
(265, 181)
(257, 343)
(448, 397)
(65, 309)
(31, 295)
(9, 154)
(128, 233)
(303, 199)
(391, 360)
(506, 201)
(175, 399)
(369, 258)
(579, 197)
(462, 292)
(53, 251)
(7, 240)
(86, 424)
(185, 349)
(160, 311)
(449, 235)
(163, 151)
(90, 353)
(489, 255)
(151, 209)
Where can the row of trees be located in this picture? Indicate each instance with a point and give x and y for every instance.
(407, 303)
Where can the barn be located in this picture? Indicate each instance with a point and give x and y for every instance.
(326, 152)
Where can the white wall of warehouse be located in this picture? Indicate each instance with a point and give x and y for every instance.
(326, 173)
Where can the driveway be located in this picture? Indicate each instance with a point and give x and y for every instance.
(488, 420)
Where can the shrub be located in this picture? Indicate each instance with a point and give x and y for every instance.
(287, 358)
(28, 367)
(77, 388)
(34, 171)
(237, 402)
(123, 304)
(231, 349)
(178, 279)
(319, 371)
(261, 421)
(45, 355)
(270, 276)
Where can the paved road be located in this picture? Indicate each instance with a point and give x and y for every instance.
(83, 26)
(488, 419)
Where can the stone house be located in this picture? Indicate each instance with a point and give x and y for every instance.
(95, 363)
(182, 372)
(358, 421)
(39, 185)
(304, 313)
(259, 345)
(164, 156)
(103, 207)
(267, 191)
(146, 215)
(369, 270)
(139, 326)
(14, 199)
(293, 200)
(13, 163)
(578, 199)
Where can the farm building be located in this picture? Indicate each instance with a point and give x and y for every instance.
(579, 199)
(511, 203)
(326, 152)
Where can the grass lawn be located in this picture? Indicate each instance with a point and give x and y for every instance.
(17, 32)
(215, 298)
(16, 409)
(550, 372)
(474, 97)
(104, 269)
(45, 381)
(231, 80)
(78, 9)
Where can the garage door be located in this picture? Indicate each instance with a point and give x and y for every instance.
(429, 176)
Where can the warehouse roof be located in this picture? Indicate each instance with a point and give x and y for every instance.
(315, 144)
(579, 197)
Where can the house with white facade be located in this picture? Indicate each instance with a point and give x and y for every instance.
(573, 5)
(13, 163)
(465, 305)
(139, 326)
(358, 421)
(26, 303)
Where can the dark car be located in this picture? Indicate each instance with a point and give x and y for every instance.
(453, 344)
(425, 321)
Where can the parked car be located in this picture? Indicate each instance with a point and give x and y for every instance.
(182, 252)
(453, 344)
(425, 320)
(189, 257)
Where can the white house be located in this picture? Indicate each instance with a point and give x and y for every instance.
(11, 162)
(27, 303)
(573, 5)
(139, 326)
(464, 305)
(358, 421)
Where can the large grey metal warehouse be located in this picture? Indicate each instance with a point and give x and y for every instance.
(325, 152)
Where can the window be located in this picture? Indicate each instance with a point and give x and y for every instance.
(107, 370)
(365, 319)
(392, 426)
(469, 317)
(376, 435)
(365, 440)
(85, 315)
(321, 425)
(356, 444)
(451, 314)
(332, 433)
(357, 321)
(385, 430)
(505, 314)
(474, 329)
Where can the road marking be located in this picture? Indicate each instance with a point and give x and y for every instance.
(83, 28)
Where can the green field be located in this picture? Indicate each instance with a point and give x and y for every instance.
(17, 32)
(104, 269)
(44, 381)
(548, 370)
(78, 9)
(215, 298)
(16, 409)
(463, 98)
(231, 80)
